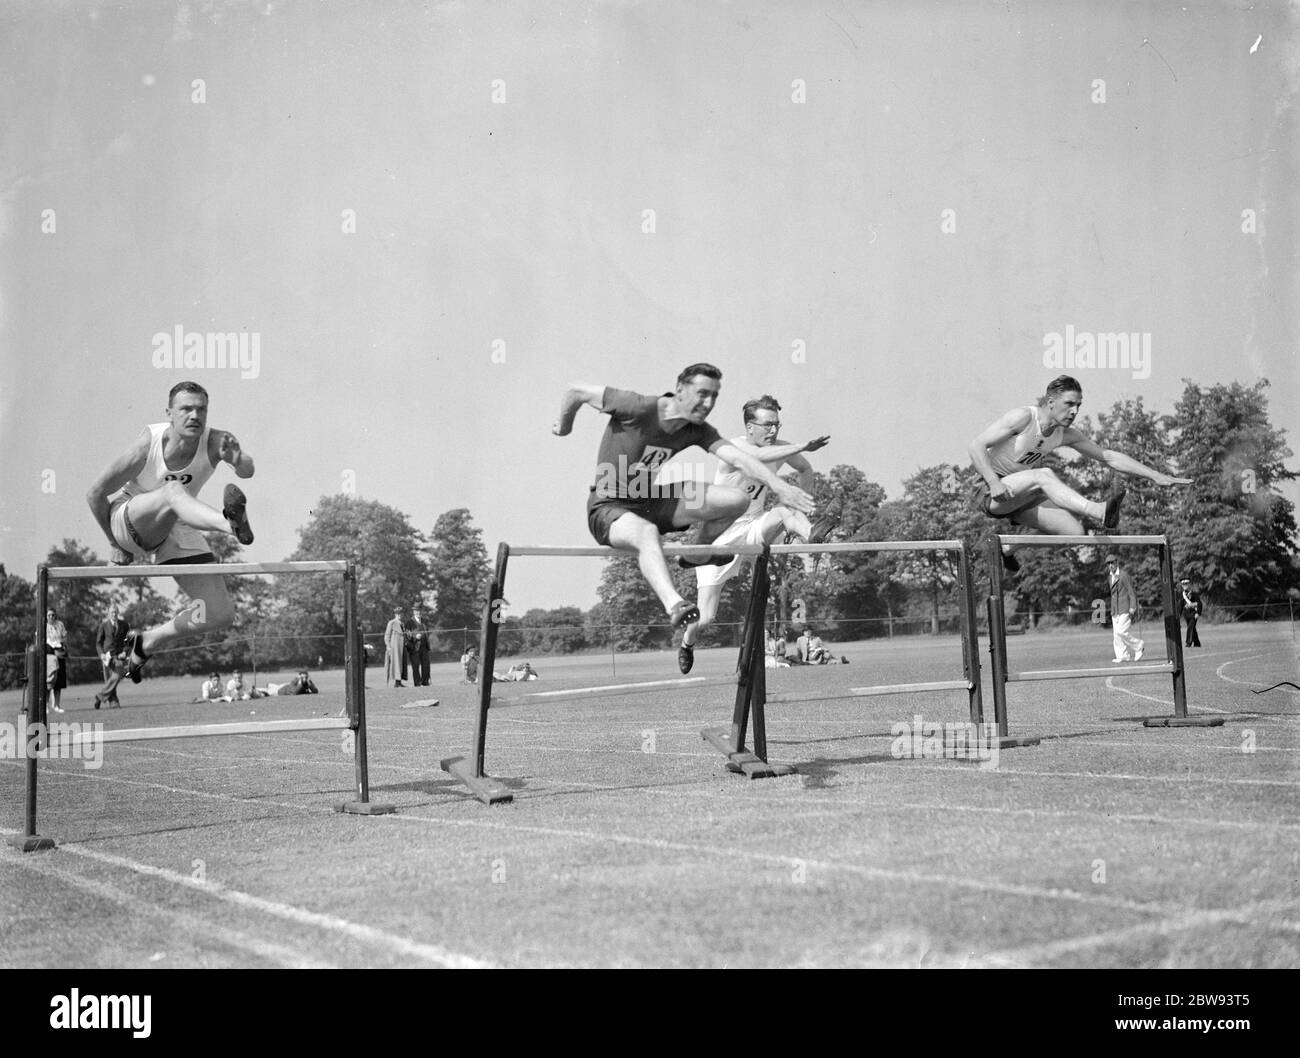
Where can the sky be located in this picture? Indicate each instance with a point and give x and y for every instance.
(429, 218)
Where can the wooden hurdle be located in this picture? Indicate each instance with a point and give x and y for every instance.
(750, 679)
(1172, 665)
(46, 744)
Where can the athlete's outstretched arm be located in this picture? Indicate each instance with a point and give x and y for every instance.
(782, 452)
(803, 472)
(118, 473)
(229, 451)
(578, 394)
(1010, 424)
(790, 495)
(1118, 460)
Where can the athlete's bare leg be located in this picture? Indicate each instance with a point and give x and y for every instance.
(1050, 519)
(1054, 489)
(209, 610)
(631, 532)
(774, 523)
(155, 513)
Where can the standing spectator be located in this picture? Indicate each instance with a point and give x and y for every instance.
(1123, 612)
(56, 657)
(110, 641)
(395, 650)
(470, 662)
(417, 645)
(1189, 606)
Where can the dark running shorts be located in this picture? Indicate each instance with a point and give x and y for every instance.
(603, 513)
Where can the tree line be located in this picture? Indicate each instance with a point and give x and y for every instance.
(1232, 532)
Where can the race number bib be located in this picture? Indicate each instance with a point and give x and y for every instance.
(652, 458)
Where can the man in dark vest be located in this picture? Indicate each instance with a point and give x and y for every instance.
(1189, 607)
(110, 640)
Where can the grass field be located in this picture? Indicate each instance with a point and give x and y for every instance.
(628, 844)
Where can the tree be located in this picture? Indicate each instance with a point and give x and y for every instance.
(17, 626)
(936, 506)
(1233, 533)
(81, 605)
(557, 631)
(843, 590)
(458, 570)
(629, 605)
(386, 549)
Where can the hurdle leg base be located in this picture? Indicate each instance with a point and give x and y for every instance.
(365, 808)
(31, 843)
(742, 761)
(1183, 721)
(484, 787)
(1013, 741)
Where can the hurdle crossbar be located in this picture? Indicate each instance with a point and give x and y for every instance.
(199, 569)
(143, 734)
(1037, 540)
(746, 550)
(867, 692)
(1171, 666)
(612, 689)
(354, 684)
(1033, 675)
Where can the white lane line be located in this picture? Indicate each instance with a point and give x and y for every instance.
(785, 861)
(429, 953)
(1110, 685)
(1260, 914)
(276, 953)
(1093, 775)
(741, 854)
(1251, 683)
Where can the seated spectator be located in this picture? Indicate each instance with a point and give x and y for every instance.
(211, 690)
(517, 673)
(237, 690)
(774, 651)
(814, 650)
(300, 684)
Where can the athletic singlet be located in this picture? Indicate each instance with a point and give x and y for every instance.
(738, 479)
(634, 445)
(155, 472)
(1024, 450)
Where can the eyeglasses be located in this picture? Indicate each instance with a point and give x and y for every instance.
(766, 425)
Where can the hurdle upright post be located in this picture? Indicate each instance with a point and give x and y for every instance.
(998, 648)
(1173, 633)
(970, 651)
(354, 691)
(471, 772)
(751, 688)
(758, 657)
(34, 696)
